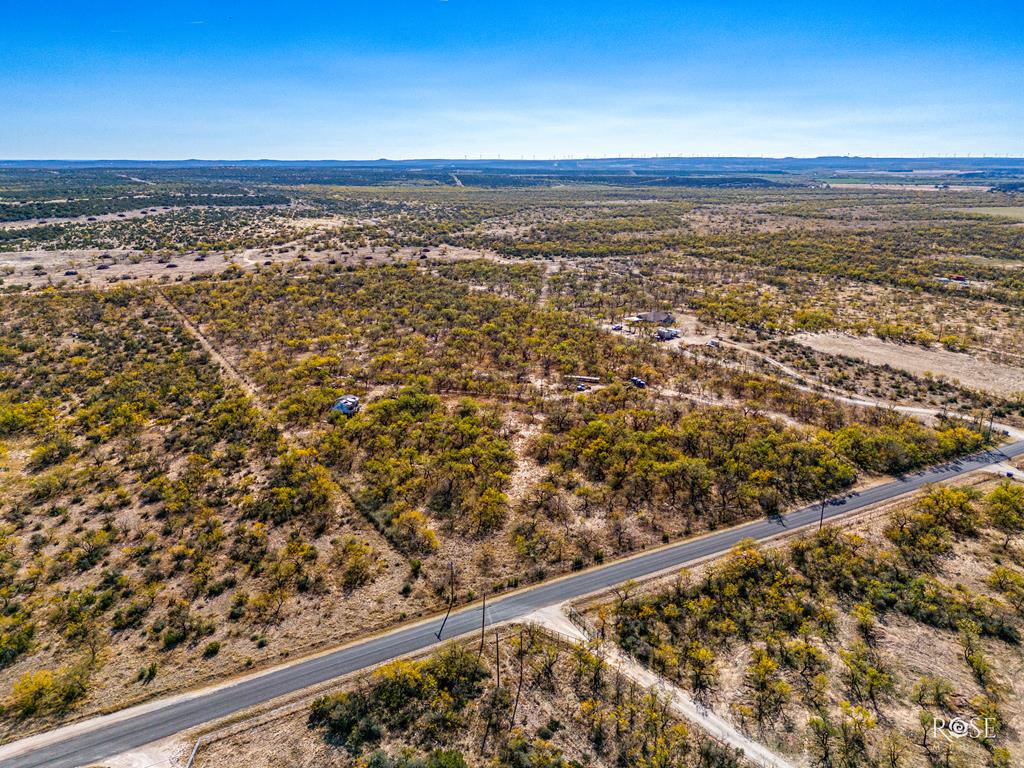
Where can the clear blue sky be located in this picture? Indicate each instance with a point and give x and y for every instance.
(546, 78)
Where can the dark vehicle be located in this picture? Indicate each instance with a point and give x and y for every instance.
(637, 382)
(582, 387)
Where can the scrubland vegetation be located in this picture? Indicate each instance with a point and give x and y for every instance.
(598, 473)
(525, 699)
(149, 508)
(178, 503)
(152, 492)
(815, 645)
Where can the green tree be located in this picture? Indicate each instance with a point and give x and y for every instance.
(1006, 510)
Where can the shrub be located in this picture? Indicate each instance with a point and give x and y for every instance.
(32, 692)
(16, 632)
(44, 691)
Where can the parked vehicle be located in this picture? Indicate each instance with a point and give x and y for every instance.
(666, 334)
(346, 404)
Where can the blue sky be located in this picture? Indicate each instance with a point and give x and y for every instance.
(454, 78)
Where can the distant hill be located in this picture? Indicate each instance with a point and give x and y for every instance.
(899, 165)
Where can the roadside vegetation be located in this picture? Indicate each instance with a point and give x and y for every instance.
(816, 646)
(523, 699)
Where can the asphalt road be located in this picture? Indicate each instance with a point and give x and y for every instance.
(114, 738)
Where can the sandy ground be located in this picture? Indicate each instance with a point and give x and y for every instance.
(91, 218)
(978, 374)
(39, 268)
(135, 213)
(1015, 212)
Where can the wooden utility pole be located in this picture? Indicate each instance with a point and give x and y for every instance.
(497, 659)
(483, 619)
(519, 688)
(494, 699)
(451, 600)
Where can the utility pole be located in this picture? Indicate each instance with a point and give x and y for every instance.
(451, 600)
(821, 520)
(483, 618)
(519, 688)
(494, 699)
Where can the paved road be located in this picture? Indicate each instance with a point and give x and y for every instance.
(114, 738)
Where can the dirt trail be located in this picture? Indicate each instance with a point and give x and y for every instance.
(222, 361)
(722, 403)
(554, 618)
(365, 526)
(821, 388)
(225, 365)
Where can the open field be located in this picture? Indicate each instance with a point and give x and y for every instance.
(918, 187)
(1015, 212)
(954, 366)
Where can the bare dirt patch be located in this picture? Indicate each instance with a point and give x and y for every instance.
(89, 218)
(958, 367)
(911, 187)
(1015, 212)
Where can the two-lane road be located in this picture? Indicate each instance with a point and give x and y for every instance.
(85, 745)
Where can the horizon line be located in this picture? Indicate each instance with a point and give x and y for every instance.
(500, 159)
